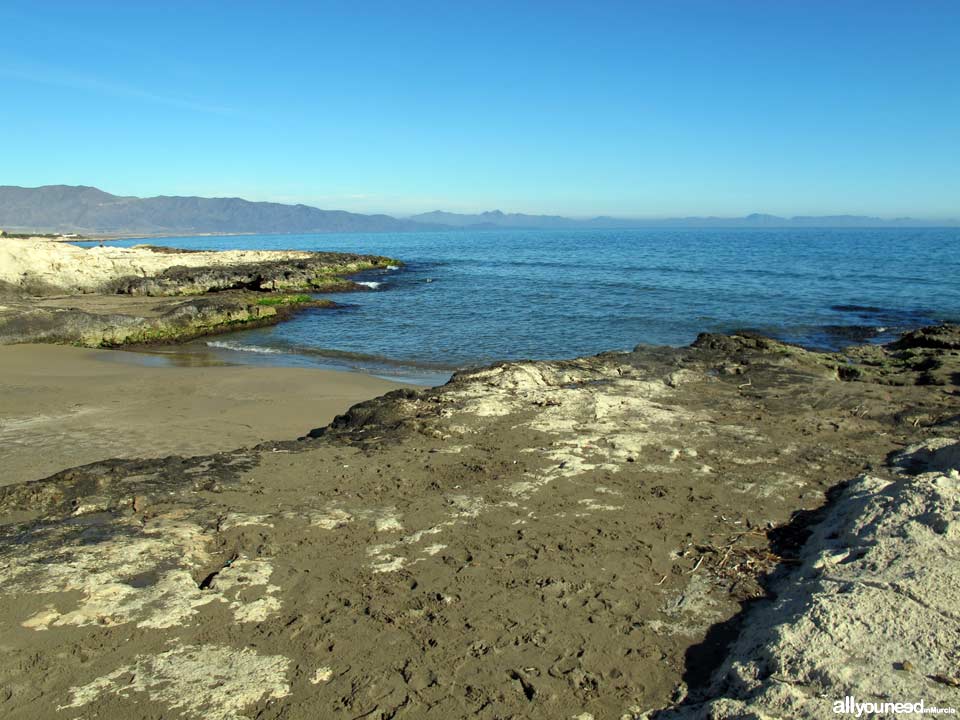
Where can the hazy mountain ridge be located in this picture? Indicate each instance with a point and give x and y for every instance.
(82, 208)
(79, 208)
(498, 219)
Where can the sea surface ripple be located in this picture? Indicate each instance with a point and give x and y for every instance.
(471, 297)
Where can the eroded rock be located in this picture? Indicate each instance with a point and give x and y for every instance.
(112, 296)
(533, 539)
(869, 613)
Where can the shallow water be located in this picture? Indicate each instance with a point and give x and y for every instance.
(466, 298)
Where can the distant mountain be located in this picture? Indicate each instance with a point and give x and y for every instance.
(72, 208)
(78, 208)
(498, 219)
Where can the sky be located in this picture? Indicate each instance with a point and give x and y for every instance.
(633, 109)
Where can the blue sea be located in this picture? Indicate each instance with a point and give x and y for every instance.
(468, 298)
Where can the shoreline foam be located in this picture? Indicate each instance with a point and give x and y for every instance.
(113, 296)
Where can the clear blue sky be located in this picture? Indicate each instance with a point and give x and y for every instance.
(634, 109)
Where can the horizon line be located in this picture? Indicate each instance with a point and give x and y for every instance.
(407, 215)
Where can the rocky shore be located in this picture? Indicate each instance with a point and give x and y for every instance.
(739, 528)
(111, 296)
(868, 612)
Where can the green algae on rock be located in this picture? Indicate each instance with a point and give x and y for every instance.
(111, 297)
(320, 272)
(284, 299)
(114, 321)
(43, 267)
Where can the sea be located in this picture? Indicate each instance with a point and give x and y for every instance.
(469, 298)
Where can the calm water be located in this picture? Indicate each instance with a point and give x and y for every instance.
(467, 298)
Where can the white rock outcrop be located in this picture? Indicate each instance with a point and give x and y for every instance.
(38, 262)
(872, 612)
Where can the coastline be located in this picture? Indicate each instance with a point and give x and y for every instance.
(110, 296)
(480, 362)
(652, 503)
(67, 406)
(548, 539)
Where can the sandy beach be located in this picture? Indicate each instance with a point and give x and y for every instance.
(619, 535)
(65, 406)
(591, 361)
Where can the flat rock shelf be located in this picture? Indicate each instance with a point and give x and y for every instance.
(113, 296)
(594, 538)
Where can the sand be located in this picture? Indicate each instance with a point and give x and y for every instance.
(62, 406)
(541, 540)
(620, 536)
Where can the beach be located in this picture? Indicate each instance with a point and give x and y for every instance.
(67, 406)
(474, 361)
(644, 534)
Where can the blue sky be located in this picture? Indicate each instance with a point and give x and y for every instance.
(638, 108)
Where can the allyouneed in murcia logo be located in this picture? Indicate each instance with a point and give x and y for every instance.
(850, 706)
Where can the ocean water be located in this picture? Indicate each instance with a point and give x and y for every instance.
(468, 298)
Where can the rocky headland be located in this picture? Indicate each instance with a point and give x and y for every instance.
(112, 296)
(736, 529)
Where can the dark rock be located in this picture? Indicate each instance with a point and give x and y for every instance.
(943, 337)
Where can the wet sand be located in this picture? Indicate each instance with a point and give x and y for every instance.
(63, 406)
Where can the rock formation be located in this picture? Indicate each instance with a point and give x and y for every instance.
(57, 292)
(580, 538)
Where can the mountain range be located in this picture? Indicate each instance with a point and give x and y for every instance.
(498, 219)
(78, 208)
(83, 209)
